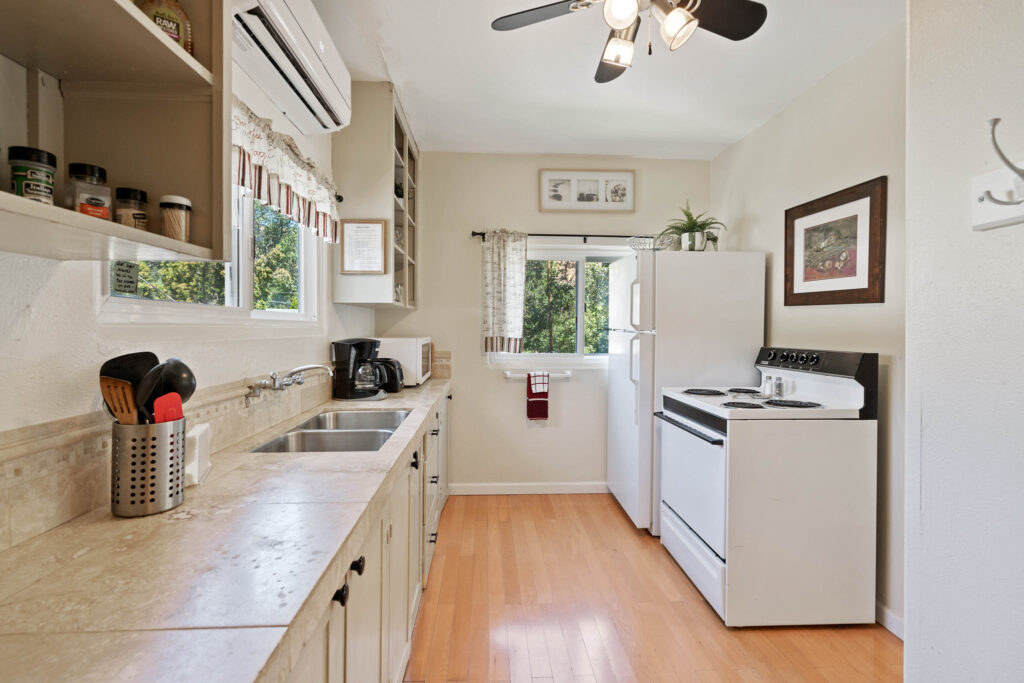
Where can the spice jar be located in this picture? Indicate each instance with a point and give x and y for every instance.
(86, 190)
(32, 172)
(171, 18)
(130, 208)
(176, 216)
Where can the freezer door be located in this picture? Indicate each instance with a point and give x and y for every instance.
(621, 276)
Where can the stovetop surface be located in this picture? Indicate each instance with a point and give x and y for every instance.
(741, 403)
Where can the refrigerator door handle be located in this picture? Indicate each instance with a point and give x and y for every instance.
(634, 380)
(632, 288)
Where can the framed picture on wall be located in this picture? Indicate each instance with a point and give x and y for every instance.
(363, 246)
(587, 191)
(835, 247)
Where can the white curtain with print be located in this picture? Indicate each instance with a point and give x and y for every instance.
(504, 261)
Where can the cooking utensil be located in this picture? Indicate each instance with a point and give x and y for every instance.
(120, 399)
(178, 377)
(147, 388)
(131, 367)
(167, 408)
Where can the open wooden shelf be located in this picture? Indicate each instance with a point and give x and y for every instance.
(36, 229)
(95, 41)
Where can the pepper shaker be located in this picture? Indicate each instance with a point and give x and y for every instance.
(778, 387)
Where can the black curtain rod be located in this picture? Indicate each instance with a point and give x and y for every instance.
(483, 235)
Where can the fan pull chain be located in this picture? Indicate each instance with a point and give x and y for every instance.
(650, 20)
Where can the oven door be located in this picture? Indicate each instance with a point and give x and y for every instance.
(693, 477)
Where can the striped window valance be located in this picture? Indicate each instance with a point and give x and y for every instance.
(270, 165)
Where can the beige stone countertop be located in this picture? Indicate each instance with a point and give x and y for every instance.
(261, 545)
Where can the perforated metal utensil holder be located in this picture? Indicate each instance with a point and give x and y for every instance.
(147, 468)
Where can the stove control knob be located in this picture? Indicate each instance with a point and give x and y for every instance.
(815, 358)
(771, 354)
(803, 358)
(786, 356)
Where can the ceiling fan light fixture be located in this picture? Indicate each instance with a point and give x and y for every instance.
(618, 51)
(677, 23)
(620, 14)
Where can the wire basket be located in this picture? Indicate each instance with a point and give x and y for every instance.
(649, 242)
(147, 468)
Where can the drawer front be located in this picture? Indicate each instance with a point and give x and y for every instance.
(705, 570)
(693, 483)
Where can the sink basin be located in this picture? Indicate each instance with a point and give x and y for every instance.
(323, 440)
(356, 419)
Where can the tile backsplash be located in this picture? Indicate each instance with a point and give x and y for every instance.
(52, 472)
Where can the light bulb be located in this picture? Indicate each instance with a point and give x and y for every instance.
(618, 51)
(677, 24)
(621, 14)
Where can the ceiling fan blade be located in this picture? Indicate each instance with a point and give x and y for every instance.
(732, 19)
(532, 16)
(608, 72)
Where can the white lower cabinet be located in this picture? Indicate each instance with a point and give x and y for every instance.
(365, 634)
(322, 659)
(363, 611)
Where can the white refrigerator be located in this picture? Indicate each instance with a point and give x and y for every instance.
(676, 318)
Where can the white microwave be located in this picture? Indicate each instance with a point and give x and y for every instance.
(414, 355)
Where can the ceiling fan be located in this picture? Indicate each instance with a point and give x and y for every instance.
(732, 19)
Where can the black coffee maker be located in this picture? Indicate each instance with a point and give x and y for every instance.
(356, 374)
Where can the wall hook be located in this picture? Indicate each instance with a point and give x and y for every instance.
(1018, 199)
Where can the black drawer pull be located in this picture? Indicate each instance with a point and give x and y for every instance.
(341, 595)
(435, 432)
(359, 565)
(433, 537)
(690, 430)
(434, 479)
(415, 464)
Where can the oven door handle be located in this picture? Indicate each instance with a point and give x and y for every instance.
(714, 441)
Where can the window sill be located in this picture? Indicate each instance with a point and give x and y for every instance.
(121, 311)
(553, 361)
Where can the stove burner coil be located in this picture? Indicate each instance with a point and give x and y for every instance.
(741, 404)
(744, 391)
(704, 392)
(783, 403)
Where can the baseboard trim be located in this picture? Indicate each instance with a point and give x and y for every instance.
(500, 488)
(887, 618)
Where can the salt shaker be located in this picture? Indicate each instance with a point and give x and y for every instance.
(767, 386)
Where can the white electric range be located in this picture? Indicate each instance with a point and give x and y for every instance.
(768, 501)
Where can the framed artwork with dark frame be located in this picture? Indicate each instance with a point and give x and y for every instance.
(835, 247)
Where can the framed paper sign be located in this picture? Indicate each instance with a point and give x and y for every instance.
(363, 246)
(835, 247)
(577, 190)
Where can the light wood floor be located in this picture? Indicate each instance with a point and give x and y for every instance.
(563, 588)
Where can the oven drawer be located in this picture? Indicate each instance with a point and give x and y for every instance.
(693, 483)
(700, 564)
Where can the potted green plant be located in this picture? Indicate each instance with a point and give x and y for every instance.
(692, 225)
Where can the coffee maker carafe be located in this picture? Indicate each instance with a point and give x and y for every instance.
(356, 375)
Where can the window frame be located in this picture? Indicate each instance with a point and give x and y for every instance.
(579, 360)
(117, 310)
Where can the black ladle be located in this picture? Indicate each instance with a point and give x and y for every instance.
(171, 375)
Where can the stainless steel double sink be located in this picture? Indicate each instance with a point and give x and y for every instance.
(340, 430)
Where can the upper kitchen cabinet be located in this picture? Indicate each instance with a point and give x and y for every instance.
(104, 85)
(377, 167)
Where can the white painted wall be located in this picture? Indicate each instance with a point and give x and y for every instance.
(965, 332)
(52, 345)
(846, 129)
(492, 442)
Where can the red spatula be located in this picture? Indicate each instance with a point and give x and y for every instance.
(167, 408)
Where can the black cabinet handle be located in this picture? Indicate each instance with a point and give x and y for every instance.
(415, 464)
(435, 432)
(433, 537)
(359, 565)
(434, 479)
(449, 397)
(341, 595)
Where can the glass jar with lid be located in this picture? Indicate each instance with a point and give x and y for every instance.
(86, 190)
(130, 207)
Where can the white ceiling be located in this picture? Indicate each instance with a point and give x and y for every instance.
(466, 87)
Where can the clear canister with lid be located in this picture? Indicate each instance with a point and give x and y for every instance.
(130, 207)
(32, 173)
(176, 216)
(86, 190)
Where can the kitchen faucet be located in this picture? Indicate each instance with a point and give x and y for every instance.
(280, 383)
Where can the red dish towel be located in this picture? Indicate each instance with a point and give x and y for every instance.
(537, 395)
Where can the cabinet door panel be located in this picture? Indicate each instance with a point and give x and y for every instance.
(398, 570)
(313, 665)
(363, 614)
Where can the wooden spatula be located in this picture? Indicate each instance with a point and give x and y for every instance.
(120, 398)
